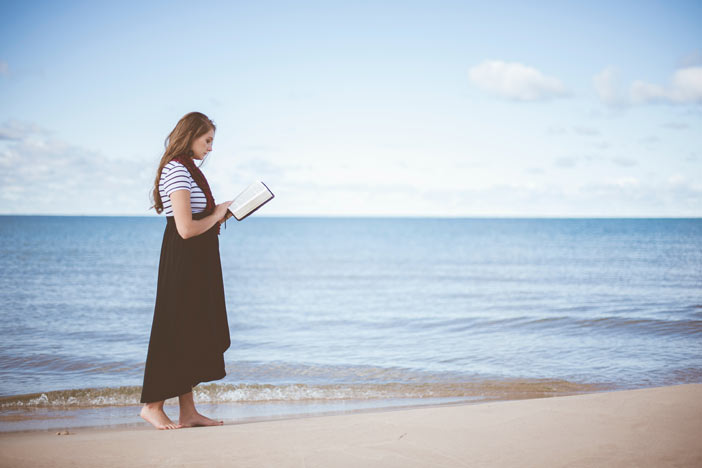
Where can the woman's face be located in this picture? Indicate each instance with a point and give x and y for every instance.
(202, 145)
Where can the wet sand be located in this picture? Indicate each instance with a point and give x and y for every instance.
(651, 427)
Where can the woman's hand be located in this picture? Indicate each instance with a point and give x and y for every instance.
(227, 215)
(221, 212)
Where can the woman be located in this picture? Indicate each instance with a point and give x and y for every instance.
(189, 331)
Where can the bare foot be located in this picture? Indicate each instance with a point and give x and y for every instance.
(158, 418)
(197, 419)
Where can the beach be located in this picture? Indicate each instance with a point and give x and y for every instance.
(651, 427)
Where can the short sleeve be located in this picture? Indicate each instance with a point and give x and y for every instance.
(176, 178)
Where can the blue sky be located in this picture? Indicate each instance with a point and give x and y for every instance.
(358, 108)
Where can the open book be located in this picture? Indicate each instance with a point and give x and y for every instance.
(252, 198)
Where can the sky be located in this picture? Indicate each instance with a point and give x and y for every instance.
(358, 108)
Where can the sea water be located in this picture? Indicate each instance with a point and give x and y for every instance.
(335, 314)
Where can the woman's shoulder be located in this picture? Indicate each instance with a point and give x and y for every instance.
(172, 164)
(174, 167)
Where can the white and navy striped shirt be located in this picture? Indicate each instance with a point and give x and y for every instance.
(175, 176)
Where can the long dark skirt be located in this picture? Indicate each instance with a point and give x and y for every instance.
(189, 331)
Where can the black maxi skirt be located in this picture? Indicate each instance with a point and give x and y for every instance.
(189, 331)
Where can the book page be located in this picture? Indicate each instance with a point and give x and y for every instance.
(251, 198)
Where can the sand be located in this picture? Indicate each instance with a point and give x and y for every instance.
(654, 427)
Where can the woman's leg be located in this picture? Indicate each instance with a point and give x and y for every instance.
(189, 416)
(153, 413)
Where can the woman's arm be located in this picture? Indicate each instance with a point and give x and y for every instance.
(185, 224)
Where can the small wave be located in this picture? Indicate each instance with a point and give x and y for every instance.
(688, 325)
(645, 325)
(235, 393)
(43, 362)
(572, 324)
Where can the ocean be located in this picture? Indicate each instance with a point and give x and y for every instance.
(347, 314)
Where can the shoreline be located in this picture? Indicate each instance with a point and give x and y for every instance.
(66, 409)
(356, 407)
(657, 426)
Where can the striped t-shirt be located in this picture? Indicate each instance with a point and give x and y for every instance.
(175, 176)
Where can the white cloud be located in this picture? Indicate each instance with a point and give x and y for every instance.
(642, 92)
(602, 145)
(556, 130)
(650, 139)
(606, 84)
(619, 196)
(675, 125)
(15, 130)
(565, 162)
(534, 170)
(587, 131)
(627, 182)
(685, 88)
(625, 162)
(677, 180)
(512, 80)
(41, 174)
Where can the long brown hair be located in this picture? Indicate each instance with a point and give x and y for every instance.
(190, 127)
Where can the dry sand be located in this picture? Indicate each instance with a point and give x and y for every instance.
(655, 427)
